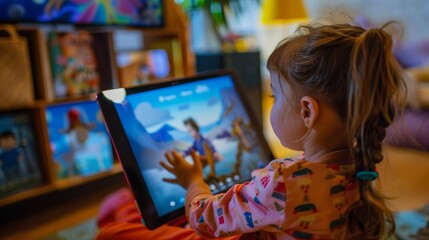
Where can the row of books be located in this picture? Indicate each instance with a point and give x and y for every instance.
(52, 65)
(66, 132)
(81, 63)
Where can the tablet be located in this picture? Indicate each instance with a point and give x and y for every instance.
(207, 113)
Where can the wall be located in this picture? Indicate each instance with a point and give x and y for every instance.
(414, 15)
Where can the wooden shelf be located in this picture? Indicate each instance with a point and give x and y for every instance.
(59, 185)
(30, 215)
(75, 181)
(164, 33)
(174, 36)
(71, 99)
(26, 194)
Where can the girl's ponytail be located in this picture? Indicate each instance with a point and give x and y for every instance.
(355, 71)
(375, 89)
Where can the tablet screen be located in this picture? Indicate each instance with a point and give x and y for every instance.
(206, 115)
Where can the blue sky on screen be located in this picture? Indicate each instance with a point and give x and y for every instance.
(171, 105)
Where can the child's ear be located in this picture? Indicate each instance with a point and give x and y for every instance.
(309, 111)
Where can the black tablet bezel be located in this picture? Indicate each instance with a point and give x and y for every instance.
(126, 155)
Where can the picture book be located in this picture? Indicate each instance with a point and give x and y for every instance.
(138, 67)
(80, 61)
(19, 159)
(79, 141)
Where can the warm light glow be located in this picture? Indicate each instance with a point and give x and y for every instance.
(115, 95)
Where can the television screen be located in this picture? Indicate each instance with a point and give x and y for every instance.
(79, 141)
(143, 13)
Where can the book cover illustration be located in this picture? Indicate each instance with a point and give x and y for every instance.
(19, 161)
(139, 67)
(74, 64)
(79, 141)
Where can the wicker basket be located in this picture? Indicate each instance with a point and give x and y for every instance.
(16, 86)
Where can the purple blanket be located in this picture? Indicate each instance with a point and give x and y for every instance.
(411, 130)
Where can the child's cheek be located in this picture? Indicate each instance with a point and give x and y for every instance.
(277, 121)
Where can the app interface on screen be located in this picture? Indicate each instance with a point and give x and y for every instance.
(207, 116)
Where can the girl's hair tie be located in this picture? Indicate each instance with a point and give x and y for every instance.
(367, 175)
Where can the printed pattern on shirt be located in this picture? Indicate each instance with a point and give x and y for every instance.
(287, 197)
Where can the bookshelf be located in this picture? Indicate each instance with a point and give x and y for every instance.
(173, 38)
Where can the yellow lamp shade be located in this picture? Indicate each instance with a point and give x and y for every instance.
(282, 11)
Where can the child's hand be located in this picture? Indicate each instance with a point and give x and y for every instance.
(185, 172)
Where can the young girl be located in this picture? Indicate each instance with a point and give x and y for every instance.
(335, 88)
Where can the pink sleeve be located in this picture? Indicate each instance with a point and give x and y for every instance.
(248, 207)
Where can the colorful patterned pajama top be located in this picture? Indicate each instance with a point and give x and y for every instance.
(288, 199)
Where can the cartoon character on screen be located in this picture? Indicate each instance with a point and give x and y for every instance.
(88, 150)
(199, 142)
(11, 158)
